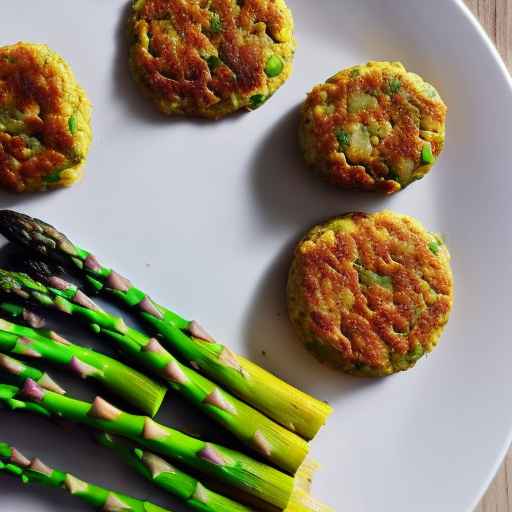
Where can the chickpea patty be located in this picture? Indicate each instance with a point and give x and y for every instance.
(373, 127)
(210, 58)
(45, 120)
(370, 294)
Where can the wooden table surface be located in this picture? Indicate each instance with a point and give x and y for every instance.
(496, 17)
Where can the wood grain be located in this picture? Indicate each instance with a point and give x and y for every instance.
(496, 17)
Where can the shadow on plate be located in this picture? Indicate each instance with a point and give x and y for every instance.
(272, 343)
(287, 192)
(123, 84)
(12, 199)
(43, 498)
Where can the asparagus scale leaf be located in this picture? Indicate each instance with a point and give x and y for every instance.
(227, 466)
(20, 372)
(131, 385)
(13, 462)
(157, 470)
(278, 445)
(280, 401)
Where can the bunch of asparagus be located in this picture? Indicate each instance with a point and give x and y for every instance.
(152, 467)
(269, 416)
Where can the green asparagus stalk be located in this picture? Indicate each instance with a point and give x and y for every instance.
(28, 471)
(132, 386)
(157, 470)
(278, 445)
(227, 466)
(280, 401)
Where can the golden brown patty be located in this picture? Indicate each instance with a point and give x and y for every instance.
(370, 294)
(44, 120)
(210, 58)
(373, 127)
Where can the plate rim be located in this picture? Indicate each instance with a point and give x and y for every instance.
(506, 74)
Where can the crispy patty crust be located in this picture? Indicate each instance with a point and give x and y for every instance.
(210, 58)
(373, 127)
(45, 118)
(370, 293)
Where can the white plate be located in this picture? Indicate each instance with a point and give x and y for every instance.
(214, 209)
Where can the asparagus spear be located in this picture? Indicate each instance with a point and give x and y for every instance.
(225, 465)
(285, 404)
(134, 387)
(35, 471)
(157, 470)
(269, 439)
